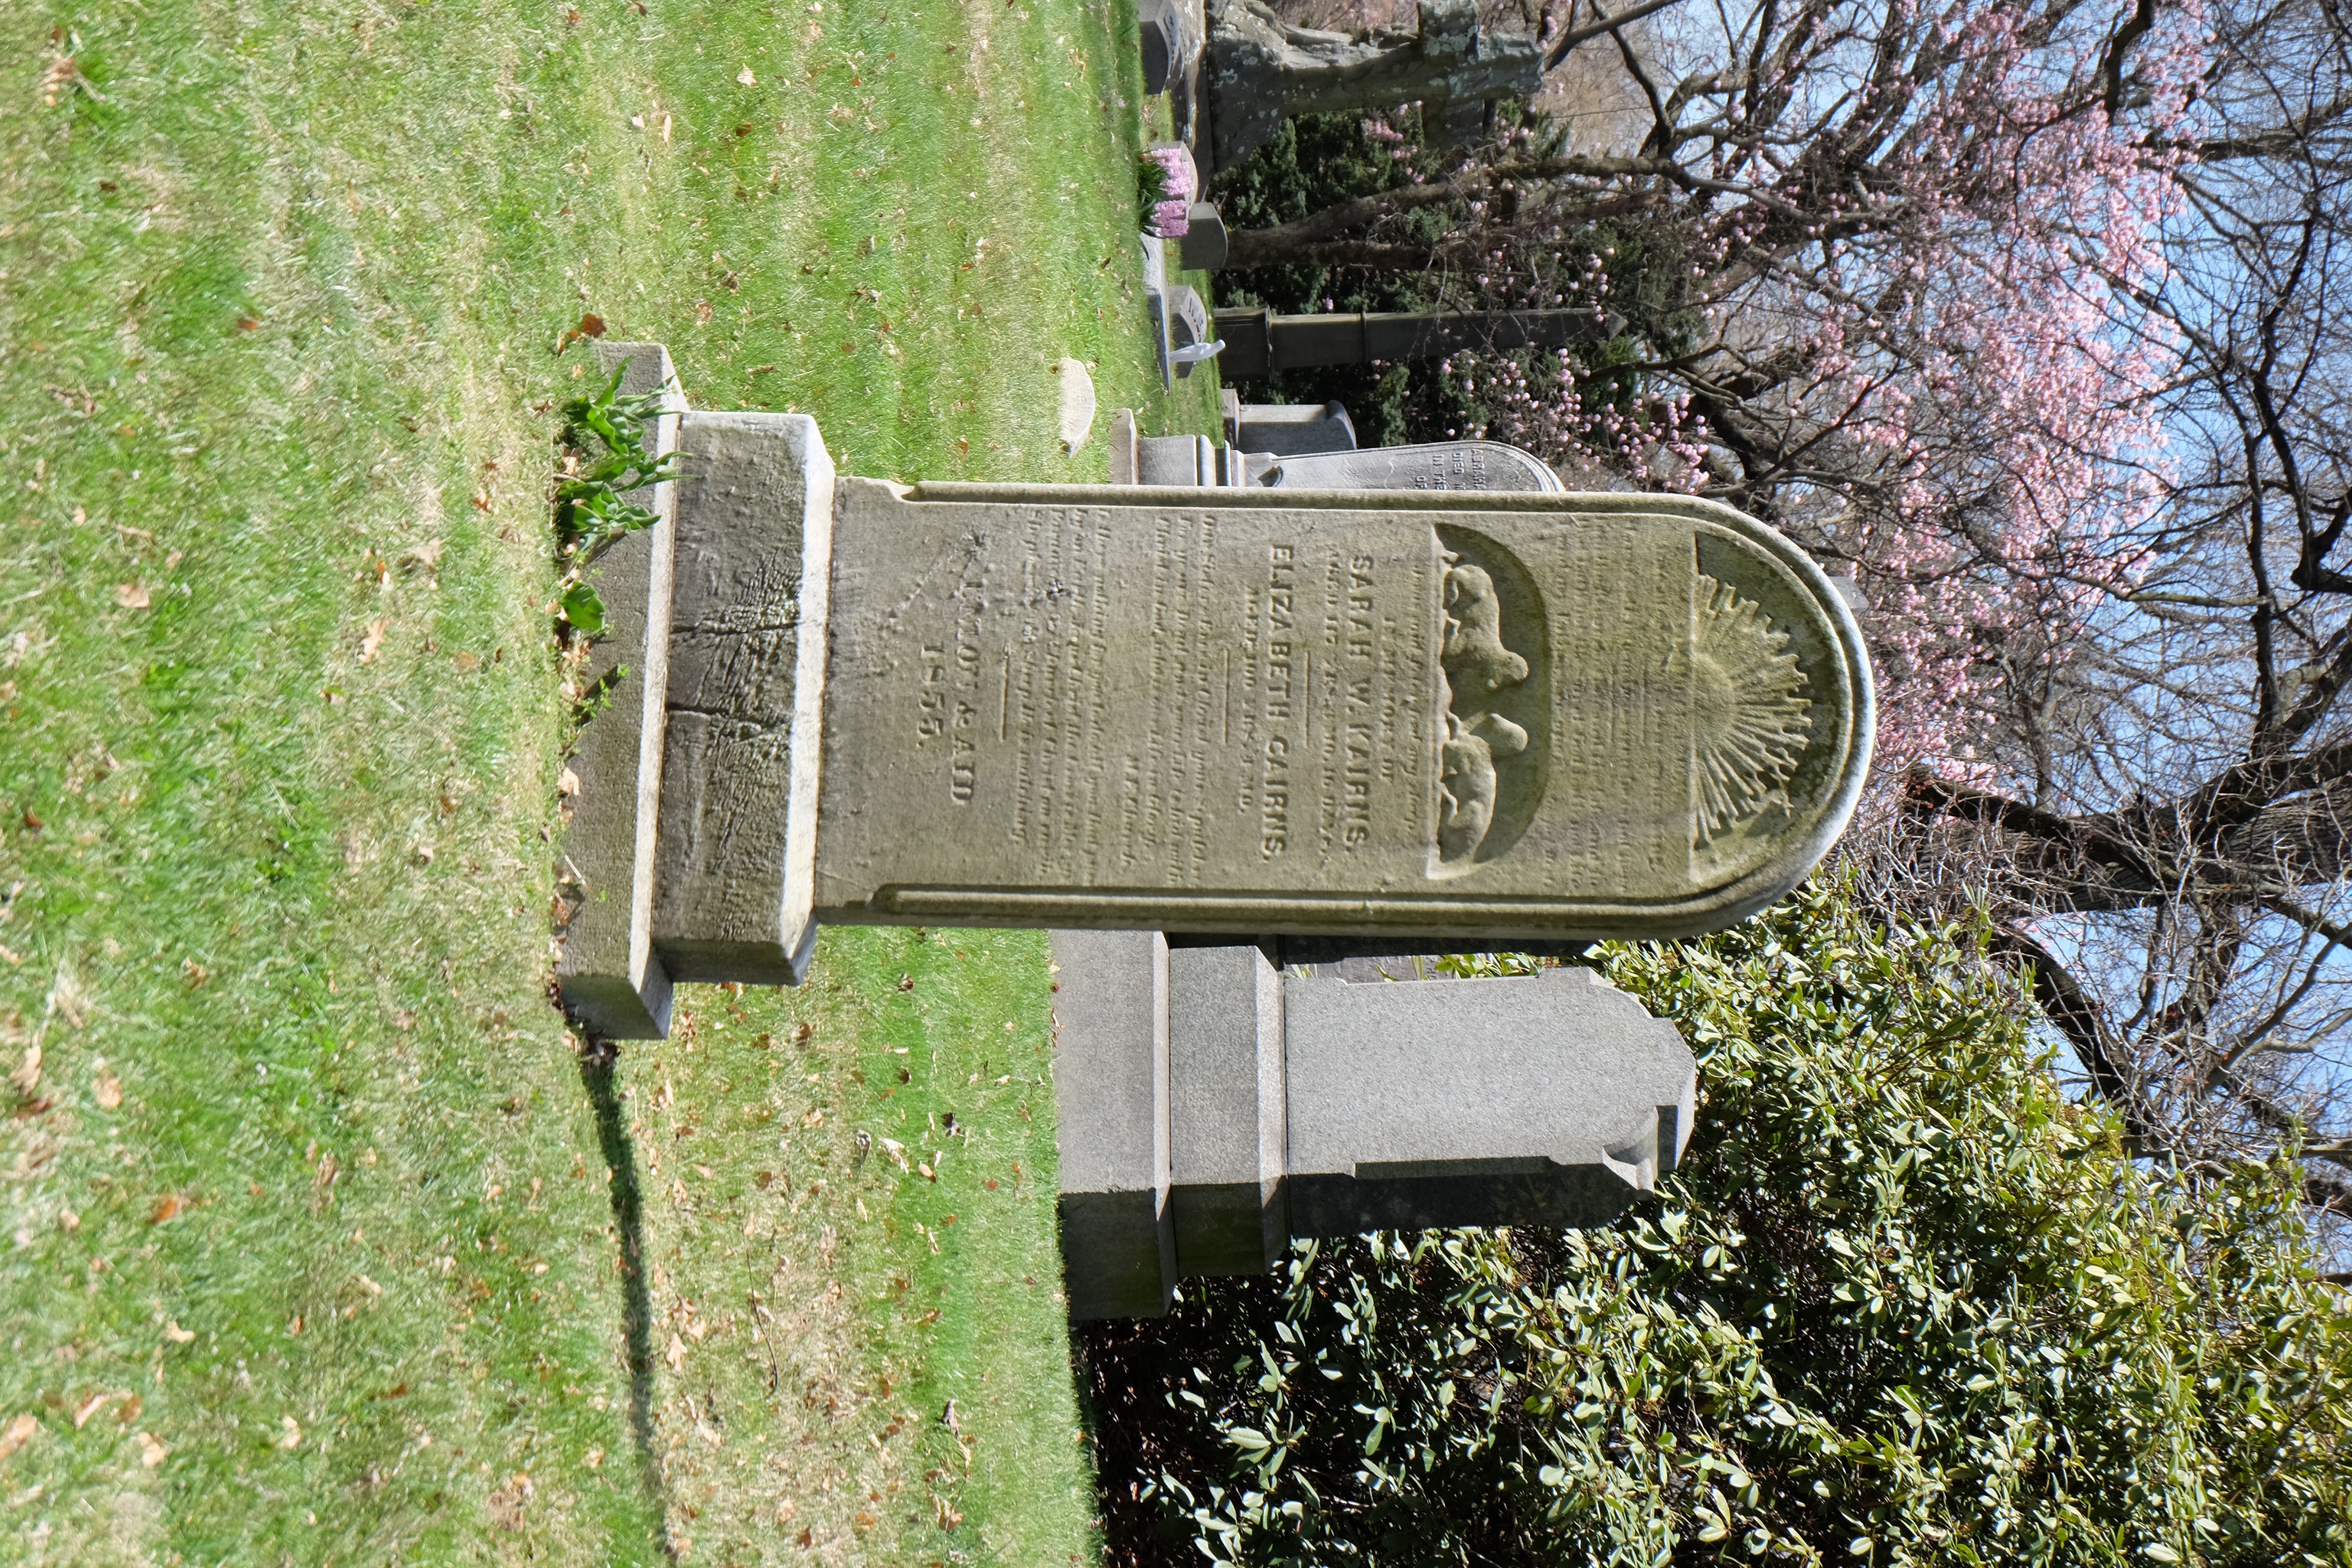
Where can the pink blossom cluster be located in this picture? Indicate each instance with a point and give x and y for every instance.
(1971, 430)
(1377, 129)
(1979, 368)
(1168, 220)
(1541, 407)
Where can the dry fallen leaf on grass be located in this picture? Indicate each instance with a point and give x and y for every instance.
(373, 640)
(131, 595)
(169, 1206)
(20, 1432)
(68, 999)
(176, 1334)
(676, 1355)
(88, 1408)
(28, 1077)
(109, 1092)
(746, 78)
(151, 1451)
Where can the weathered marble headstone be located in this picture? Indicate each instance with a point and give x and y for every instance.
(1188, 324)
(1460, 715)
(1491, 715)
(1213, 1110)
(1388, 719)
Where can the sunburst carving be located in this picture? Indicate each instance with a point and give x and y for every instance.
(1752, 726)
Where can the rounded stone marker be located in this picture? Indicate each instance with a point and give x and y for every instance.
(1078, 404)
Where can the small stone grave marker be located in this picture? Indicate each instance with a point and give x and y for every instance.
(1285, 429)
(1437, 467)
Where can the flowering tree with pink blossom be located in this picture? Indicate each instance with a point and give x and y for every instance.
(1910, 239)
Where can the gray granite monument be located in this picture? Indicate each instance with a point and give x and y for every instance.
(1212, 1109)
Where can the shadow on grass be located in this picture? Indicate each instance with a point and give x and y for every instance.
(599, 1062)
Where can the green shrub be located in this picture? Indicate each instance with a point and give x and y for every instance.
(1901, 1303)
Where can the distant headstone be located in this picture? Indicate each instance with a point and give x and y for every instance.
(1120, 444)
(1260, 342)
(1188, 318)
(1321, 463)
(1261, 69)
(1213, 1110)
(1440, 466)
(1074, 403)
(1164, 37)
(1176, 460)
(1187, 326)
(1201, 247)
(1286, 429)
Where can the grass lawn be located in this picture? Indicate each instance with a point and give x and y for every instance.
(319, 1241)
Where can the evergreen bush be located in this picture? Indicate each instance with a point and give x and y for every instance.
(1901, 1303)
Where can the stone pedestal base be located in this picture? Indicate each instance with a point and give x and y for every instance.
(1212, 1109)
